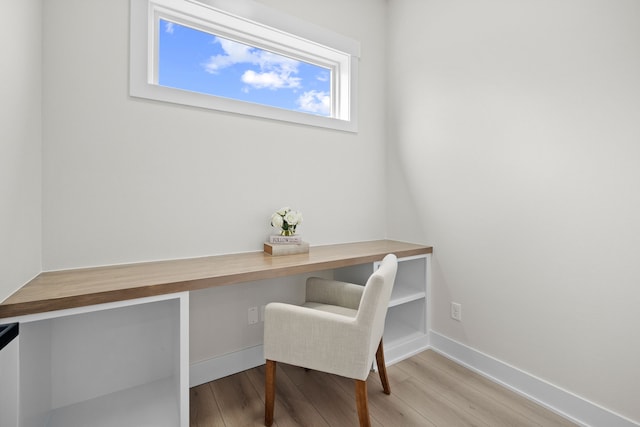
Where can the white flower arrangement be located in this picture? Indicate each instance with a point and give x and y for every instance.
(286, 220)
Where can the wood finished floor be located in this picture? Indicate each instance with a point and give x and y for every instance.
(426, 390)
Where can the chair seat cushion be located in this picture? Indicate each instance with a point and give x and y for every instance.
(331, 308)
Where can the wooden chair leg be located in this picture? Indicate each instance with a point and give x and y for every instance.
(382, 369)
(270, 392)
(362, 403)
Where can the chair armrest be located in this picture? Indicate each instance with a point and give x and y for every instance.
(334, 292)
(316, 339)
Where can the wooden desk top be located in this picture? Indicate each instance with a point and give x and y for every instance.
(58, 290)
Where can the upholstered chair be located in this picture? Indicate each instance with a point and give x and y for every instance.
(337, 330)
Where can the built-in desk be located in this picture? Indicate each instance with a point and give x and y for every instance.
(76, 288)
(112, 342)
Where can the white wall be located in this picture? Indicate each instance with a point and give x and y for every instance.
(514, 126)
(129, 180)
(20, 144)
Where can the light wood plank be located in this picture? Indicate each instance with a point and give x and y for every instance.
(337, 406)
(292, 409)
(536, 414)
(204, 411)
(474, 402)
(426, 390)
(430, 403)
(388, 410)
(239, 402)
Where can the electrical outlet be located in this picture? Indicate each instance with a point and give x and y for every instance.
(456, 311)
(253, 315)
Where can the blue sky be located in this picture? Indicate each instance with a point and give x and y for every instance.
(197, 61)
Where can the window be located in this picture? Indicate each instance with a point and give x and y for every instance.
(195, 53)
(190, 59)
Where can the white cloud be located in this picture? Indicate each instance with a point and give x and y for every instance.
(276, 71)
(270, 80)
(169, 27)
(315, 102)
(234, 53)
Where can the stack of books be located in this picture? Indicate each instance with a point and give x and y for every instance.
(285, 245)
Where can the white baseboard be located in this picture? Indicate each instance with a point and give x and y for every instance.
(228, 364)
(560, 401)
(398, 352)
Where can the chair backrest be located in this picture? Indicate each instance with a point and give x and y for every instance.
(375, 300)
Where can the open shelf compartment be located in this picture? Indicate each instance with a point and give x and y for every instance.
(406, 325)
(112, 366)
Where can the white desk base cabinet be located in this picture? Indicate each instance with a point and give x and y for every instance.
(108, 365)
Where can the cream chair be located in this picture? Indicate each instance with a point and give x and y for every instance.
(337, 330)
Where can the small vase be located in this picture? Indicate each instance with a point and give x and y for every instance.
(288, 232)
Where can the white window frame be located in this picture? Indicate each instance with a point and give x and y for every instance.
(250, 23)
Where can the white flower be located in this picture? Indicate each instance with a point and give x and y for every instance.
(286, 219)
(291, 217)
(277, 220)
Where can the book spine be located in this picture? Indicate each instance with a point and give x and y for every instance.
(288, 240)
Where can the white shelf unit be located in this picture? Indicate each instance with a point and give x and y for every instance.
(107, 365)
(407, 324)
